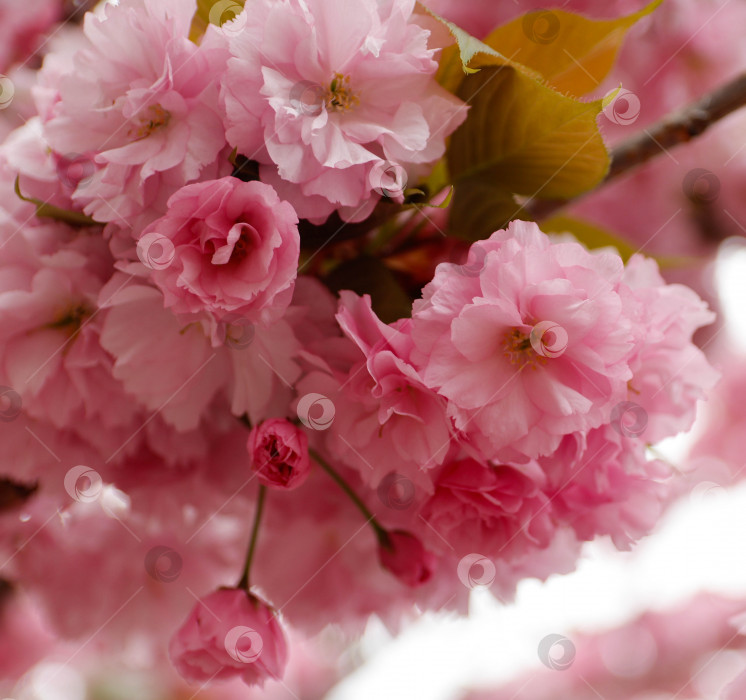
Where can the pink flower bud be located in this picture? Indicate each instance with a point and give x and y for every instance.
(405, 557)
(230, 633)
(279, 454)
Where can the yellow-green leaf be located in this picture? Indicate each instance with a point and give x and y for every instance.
(212, 12)
(571, 52)
(479, 208)
(526, 138)
(467, 56)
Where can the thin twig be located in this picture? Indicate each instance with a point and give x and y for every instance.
(676, 128)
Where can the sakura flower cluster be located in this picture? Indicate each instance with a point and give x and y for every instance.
(178, 362)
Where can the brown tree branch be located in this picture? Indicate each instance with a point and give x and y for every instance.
(676, 128)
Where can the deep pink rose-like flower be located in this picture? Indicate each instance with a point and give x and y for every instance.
(227, 247)
(406, 558)
(279, 454)
(527, 341)
(336, 99)
(230, 633)
(495, 510)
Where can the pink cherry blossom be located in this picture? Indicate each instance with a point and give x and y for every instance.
(602, 484)
(231, 247)
(169, 365)
(230, 633)
(141, 98)
(412, 415)
(21, 29)
(527, 341)
(52, 356)
(336, 99)
(670, 374)
(205, 210)
(497, 510)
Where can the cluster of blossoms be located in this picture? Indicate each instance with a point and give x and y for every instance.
(171, 360)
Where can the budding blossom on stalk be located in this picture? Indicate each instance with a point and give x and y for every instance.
(228, 633)
(279, 454)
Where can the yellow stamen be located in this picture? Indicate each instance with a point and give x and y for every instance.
(154, 117)
(339, 96)
(517, 348)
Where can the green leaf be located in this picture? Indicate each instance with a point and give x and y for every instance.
(368, 275)
(49, 211)
(480, 208)
(520, 137)
(526, 138)
(467, 56)
(571, 52)
(215, 12)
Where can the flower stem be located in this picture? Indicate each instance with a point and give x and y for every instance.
(244, 582)
(381, 533)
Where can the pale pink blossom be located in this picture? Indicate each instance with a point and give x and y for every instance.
(336, 99)
(496, 510)
(603, 484)
(527, 342)
(263, 365)
(141, 99)
(670, 373)
(169, 364)
(52, 356)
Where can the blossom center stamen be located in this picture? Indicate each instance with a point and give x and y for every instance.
(517, 348)
(339, 96)
(72, 318)
(155, 117)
